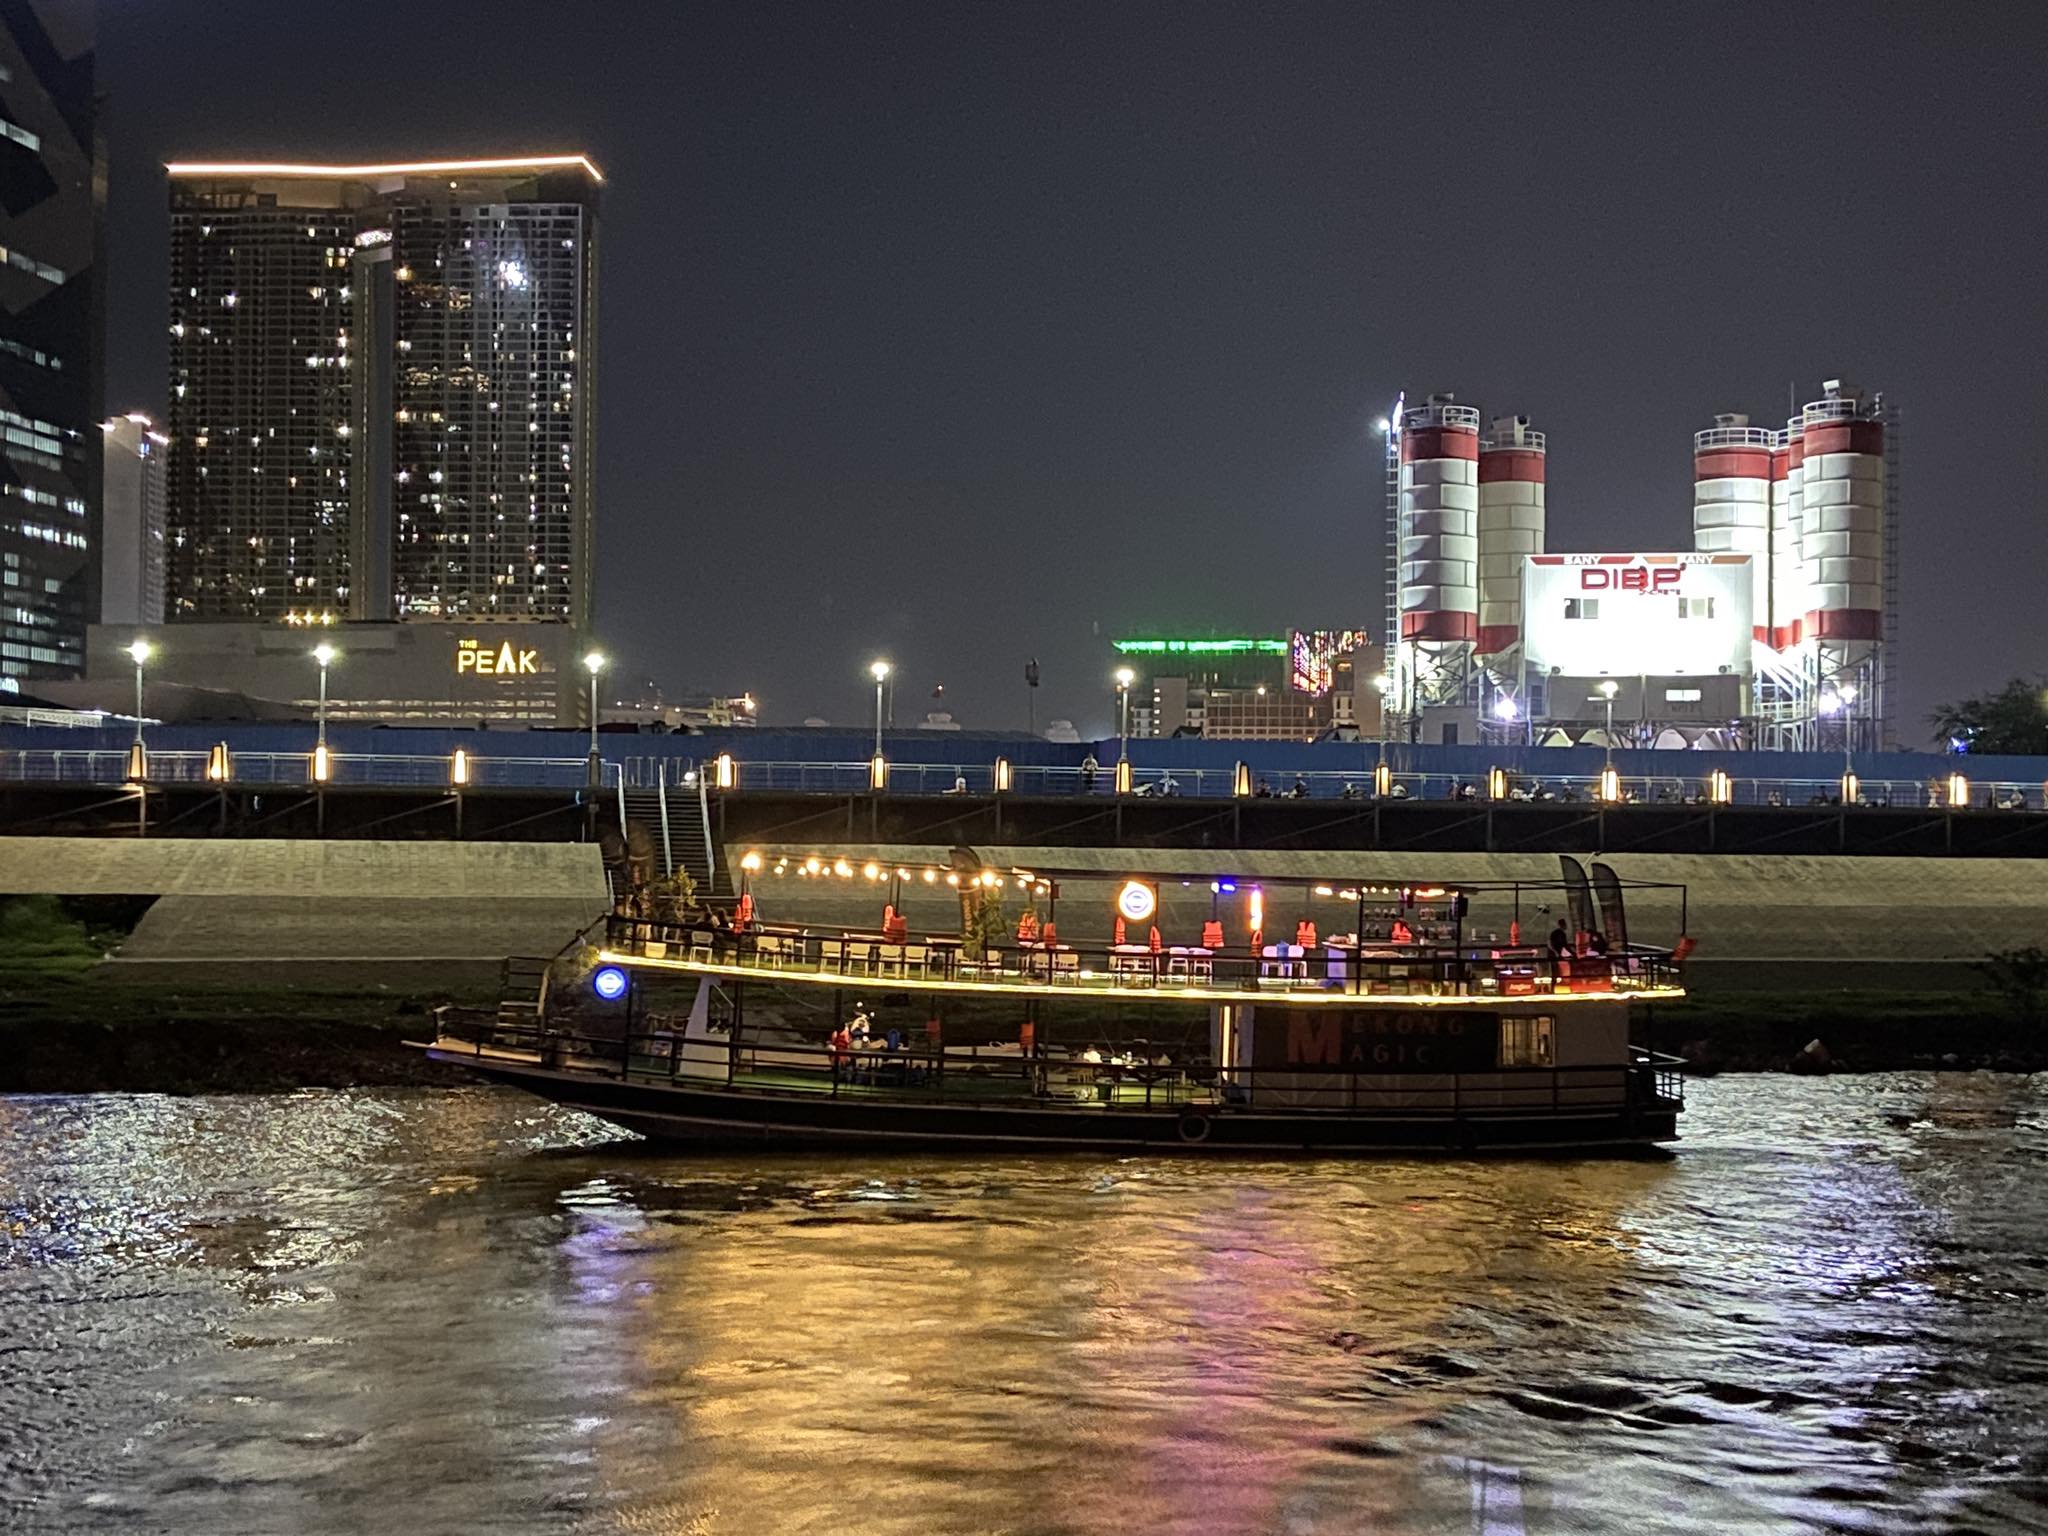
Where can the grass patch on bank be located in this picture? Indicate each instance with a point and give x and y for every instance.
(39, 937)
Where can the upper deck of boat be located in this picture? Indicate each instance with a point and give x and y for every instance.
(1429, 963)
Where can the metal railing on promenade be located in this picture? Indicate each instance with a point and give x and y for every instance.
(110, 766)
(107, 766)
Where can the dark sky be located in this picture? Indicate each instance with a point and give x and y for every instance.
(966, 333)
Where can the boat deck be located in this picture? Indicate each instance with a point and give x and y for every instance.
(1334, 974)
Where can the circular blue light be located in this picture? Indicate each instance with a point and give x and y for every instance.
(609, 983)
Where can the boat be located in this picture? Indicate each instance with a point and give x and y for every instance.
(1434, 1024)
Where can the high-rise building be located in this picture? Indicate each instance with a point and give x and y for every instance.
(52, 208)
(132, 522)
(380, 390)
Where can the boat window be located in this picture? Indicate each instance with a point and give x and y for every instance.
(1526, 1042)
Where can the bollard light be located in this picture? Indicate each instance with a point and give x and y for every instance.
(1848, 789)
(1241, 781)
(1382, 782)
(458, 768)
(1610, 785)
(219, 765)
(1002, 775)
(1958, 790)
(878, 773)
(1721, 788)
(1123, 775)
(725, 773)
(138, 762)
(1497, 783)
(323, 764)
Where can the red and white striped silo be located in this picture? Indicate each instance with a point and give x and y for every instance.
(1511, 463)
(1842, 519)
(1731, 501)
(1790, 588)
(1439, 500)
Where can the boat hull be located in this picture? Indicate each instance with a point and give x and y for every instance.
(723, 1117)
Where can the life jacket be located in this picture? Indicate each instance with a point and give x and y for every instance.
(1305, 934)
(1155, 939)
(1212, 935)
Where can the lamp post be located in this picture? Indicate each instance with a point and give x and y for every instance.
(324, 654)
(1124, 678)
(1610, 786)
(1836, 701)
(139, 650)
(595, 663)
(879, 671)
(138, 757)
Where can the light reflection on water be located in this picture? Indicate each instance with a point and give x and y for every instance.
(467, 1311)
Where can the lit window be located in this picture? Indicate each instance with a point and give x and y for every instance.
(1526, 1042)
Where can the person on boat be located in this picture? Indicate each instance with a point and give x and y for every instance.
(840, 1044)
(1560, 942)
(862, 1027)
(959, 784)
(1401, 933)
(1089, 768)
(1263, 792)
(1349, 791)
(1168, 784)
(1398, 792)
(1300, 790)
(1596, 943)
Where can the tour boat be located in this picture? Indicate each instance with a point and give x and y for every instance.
(1434, 1024)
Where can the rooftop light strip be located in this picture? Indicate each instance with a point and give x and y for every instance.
(402, 168)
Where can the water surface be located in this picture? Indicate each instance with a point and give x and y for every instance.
(465, 1311)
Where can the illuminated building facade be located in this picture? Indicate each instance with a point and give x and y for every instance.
(419, 672)
(1255, 688)
(132, 521)
(51, 332)
(380, 390)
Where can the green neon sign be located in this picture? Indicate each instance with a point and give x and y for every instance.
(1244, 647)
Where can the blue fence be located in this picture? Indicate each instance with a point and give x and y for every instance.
(925, 762)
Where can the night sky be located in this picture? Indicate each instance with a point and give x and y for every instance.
(967, 334)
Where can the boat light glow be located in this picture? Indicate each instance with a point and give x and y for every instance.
(609, 983)
(1137, 901)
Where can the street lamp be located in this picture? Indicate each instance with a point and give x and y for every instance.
(139, 650)
(1124, 678)
(879, 671)
(324, 654)
(595, 662)
(138, 761)
(1610, 786)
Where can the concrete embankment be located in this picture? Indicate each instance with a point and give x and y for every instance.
(1762, 923)
(303, 912)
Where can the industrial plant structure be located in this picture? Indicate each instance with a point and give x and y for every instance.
(1775, 630)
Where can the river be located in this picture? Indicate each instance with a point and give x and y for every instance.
(457, 1311)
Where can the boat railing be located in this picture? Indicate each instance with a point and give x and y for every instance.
(1093, 1080)
(1470, 969)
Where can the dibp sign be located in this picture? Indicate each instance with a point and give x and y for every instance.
(475, 657)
